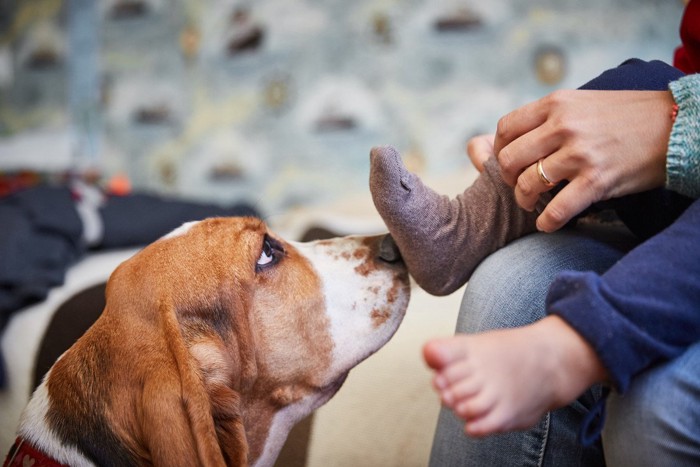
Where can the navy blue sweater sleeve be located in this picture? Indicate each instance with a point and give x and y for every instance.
(645, 309)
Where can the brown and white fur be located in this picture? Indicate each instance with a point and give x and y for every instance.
(215, 340)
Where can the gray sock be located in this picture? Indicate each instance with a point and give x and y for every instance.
(442, 240)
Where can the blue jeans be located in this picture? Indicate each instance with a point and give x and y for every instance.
(646, 426)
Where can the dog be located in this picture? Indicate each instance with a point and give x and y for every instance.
(215, 340)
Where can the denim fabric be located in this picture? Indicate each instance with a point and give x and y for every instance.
(657, 422)
(507, 290)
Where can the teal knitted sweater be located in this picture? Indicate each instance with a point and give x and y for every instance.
(683, 157)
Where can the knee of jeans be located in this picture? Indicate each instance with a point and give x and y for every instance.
(507, 289)
(510, 286)
(636, 429)
(638, 411)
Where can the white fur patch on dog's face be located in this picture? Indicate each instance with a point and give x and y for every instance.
(365, 300)
(362, 300)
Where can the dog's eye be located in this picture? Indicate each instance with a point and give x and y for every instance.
(270, 254)
(267, 256)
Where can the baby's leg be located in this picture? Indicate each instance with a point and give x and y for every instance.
(442, 240)
(505, 380)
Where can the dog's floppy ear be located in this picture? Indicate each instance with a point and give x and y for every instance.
(178, 411)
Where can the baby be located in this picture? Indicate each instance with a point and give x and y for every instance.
(494, 380)
(504, 380)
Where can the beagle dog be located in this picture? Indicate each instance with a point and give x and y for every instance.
(215, 340)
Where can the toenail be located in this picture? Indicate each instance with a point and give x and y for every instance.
(440, 382)
(447, 398)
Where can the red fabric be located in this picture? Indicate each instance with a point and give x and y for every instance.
(687, 56)
(23, 455)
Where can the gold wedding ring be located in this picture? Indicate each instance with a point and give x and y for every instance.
(543, 176)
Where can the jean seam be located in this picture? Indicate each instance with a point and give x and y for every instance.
(545, 435)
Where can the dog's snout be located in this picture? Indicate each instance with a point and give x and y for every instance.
(388, 251)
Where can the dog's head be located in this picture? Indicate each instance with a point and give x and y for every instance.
(220, 336)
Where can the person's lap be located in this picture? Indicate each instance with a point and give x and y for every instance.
(657, 422)
(508, 290)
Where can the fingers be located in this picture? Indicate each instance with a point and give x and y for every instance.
(606, 144)
(538, 178)
(517, 123)
(526, 151)
(583, 190)
(571, 200)
(522, 137)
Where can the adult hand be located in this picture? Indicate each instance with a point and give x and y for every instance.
(605, 143)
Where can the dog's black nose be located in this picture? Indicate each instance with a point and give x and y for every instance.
(388, 251)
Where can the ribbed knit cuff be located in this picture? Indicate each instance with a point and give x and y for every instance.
(683, 156)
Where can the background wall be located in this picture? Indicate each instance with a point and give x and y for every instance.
(278, 102)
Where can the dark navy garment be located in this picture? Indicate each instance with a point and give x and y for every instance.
(599, 303)
(646, 308)
(40, 233)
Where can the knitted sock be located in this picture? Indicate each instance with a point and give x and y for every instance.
(442, 240)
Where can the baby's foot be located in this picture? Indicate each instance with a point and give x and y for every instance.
(442, 240)
(506, 380)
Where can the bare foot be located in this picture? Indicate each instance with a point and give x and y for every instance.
(505, 380)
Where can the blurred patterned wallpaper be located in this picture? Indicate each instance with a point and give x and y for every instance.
(278, 102)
